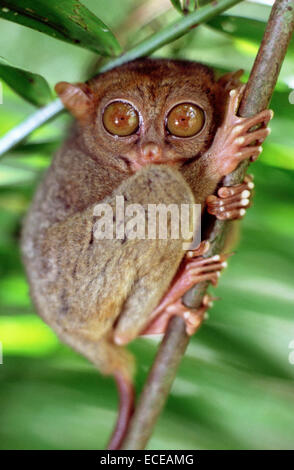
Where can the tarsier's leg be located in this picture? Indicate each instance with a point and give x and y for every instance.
(194, 269)
(232, 201)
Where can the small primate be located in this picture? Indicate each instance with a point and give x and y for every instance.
(154, 132)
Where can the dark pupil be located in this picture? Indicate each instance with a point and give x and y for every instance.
(184, 120)
(119, 119)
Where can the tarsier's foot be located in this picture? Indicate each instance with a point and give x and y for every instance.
(237, 139)
(194, 269)
(232, 201)
(192, 318)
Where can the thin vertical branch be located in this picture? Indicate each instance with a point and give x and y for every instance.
(256, 98)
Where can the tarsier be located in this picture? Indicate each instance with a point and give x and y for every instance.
(152, 131)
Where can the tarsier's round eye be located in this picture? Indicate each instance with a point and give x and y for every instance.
(120, 118)
(185, 120)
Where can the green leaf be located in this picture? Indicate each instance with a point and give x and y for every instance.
(177, 5)
(246, 25)
(190, 5)
(68, 20)
(239, 27)
(30, 86)
(187, 6)
(33, 148)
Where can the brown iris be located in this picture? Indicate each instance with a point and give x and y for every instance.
(185, 120)
(120, 118)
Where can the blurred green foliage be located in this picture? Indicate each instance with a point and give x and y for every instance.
(235, 386)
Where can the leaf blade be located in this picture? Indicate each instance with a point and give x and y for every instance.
(177, 5)
(67, 20)
(30, 86)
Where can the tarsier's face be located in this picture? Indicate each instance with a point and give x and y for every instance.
(152, 111)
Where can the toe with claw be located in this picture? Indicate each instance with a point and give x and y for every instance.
(231, 202)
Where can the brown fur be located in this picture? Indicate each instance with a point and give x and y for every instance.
(72, 289)
(80, 285)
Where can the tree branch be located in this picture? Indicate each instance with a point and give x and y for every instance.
(172, 32)
(257, 96)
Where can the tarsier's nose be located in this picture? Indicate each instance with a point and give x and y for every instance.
(151, 151)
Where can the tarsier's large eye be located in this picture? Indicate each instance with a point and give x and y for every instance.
(185, 120)
(120, 118)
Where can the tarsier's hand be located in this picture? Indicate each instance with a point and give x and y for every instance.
(234, 141)
(232, 201)
(195, 268)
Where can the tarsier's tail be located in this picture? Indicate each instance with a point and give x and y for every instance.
(126, 407)
(113, 360)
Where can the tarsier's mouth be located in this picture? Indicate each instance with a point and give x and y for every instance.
(137, 162)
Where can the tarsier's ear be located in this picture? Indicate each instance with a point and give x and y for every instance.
(77, 98)
(231, 80)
